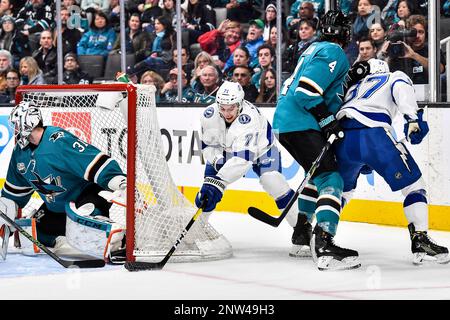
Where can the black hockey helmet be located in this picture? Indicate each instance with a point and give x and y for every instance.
(335, 26)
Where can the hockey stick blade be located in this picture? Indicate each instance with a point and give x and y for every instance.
(264, 217)
(84, 264)
(141, 266)
(90, 263)
(275, 222)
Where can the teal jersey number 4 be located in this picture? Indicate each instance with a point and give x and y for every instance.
(318, 77)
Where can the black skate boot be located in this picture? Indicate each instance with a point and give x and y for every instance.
(423, 246)
(301, 238)
(329, 256)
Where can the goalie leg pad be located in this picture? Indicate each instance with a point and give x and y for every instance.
(93, 235)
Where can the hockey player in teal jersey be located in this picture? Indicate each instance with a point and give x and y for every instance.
(304, 119)
(65, 171)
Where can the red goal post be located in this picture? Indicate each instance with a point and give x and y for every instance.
(121, 120)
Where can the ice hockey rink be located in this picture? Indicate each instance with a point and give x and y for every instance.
(259, 270)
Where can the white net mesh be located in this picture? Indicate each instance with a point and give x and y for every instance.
(161, 212)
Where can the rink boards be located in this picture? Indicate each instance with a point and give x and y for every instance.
(373, 201)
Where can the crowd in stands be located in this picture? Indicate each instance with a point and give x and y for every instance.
(222, 39)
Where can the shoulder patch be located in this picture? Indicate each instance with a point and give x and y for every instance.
(21, 167)
(244, 118)
(56, 135)
(209, 112)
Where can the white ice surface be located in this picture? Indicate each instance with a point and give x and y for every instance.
(259, 269)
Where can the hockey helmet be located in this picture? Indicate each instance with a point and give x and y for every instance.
(378, 66)
(334, 25)
(230, 93)
(24, 118)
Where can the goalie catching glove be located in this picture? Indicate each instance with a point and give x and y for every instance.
(210, 194)
(416, 129)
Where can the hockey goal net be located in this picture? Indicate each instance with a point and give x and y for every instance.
(121, 120)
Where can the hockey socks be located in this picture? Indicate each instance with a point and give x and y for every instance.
(307, 201)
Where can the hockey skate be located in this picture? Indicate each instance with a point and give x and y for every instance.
(301, 238)
(329, 256)
(424, 248)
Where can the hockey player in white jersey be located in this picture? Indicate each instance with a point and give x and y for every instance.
(235, 138)
(369, 144)
(68, 174)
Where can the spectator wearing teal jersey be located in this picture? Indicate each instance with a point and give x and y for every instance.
(209, 84)
(99, 39)
(170, 89)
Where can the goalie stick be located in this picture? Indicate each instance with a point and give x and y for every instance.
(140, 266)
(275, 221)
(93, 263)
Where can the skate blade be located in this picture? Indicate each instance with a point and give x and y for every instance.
(300, 251)
(328, 263)
(419, 258)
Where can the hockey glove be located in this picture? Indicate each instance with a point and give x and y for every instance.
(327, 122)
(210, 194)
(356, 73)
(416, 130)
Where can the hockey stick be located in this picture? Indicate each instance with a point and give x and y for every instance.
(140, 266)
(93, 263)
(275, 222)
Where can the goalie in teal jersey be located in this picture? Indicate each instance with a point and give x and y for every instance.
(304, 119)
(68, 175)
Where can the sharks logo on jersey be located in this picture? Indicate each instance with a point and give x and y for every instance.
(50, 187)
(55, 136)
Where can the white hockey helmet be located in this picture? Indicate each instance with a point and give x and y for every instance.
(24, 118)
(378, 66)
(230, 93)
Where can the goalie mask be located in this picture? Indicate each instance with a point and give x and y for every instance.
(24, 118)
(378, 66)
(230, 94)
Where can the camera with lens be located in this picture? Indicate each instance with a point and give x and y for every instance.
(396, 38)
